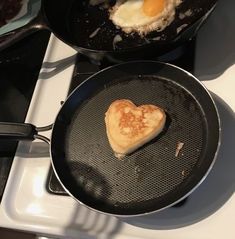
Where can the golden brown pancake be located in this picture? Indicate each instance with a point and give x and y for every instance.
(129, 127)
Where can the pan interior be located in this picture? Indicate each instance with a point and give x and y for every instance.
(150, 178)
(90, 27)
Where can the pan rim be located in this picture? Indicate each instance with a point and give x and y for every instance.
(192, 189)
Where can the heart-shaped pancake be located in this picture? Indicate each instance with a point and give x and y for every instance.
(129, 127)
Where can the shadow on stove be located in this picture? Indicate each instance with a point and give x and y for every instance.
(217, 42)
(91, 221)
(212, 194)
(53, 68)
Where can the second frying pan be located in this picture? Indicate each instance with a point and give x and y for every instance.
(88, 29)
(153, 177)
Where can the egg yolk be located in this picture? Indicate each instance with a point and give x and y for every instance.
(153, 7)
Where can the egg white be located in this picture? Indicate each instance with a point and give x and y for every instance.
(130, 17)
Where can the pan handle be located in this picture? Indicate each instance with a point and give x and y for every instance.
(22, 131)
(36, 24)
(17, 131)
(42, 137)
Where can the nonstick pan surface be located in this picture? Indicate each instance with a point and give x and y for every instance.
(90, 26)
(152, 178)
(88, 29)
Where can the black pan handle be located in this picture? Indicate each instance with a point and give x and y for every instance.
(22, 131)
(17, 131)
(36, 24)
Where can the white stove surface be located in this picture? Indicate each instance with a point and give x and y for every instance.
(209, 213)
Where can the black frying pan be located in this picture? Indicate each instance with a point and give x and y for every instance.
(153, 177)
(74, 22)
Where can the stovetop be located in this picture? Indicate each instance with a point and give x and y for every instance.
(19, 69)
(209, 212)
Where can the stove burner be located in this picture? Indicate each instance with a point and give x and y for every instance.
(182, 57)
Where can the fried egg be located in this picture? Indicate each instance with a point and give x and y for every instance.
(143, 16)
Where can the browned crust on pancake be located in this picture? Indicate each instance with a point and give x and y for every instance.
(129, 127)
